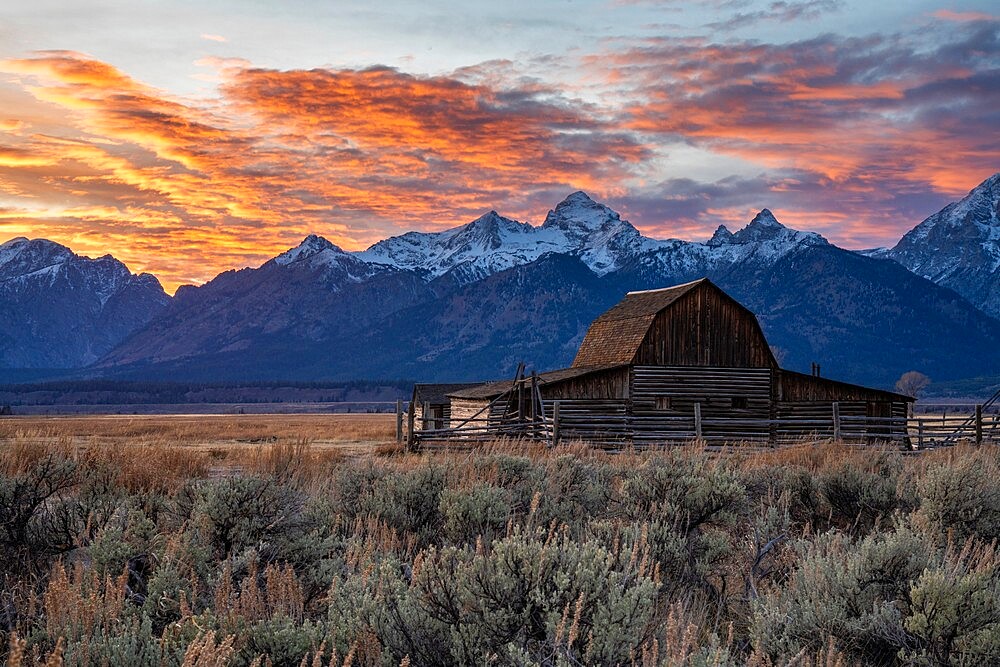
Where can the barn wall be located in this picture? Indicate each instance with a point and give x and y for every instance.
(609, 384)
(705, 328)
(466, 408)
(663, 400)
(797, 387)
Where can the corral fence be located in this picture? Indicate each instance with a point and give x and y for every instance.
(609, 425)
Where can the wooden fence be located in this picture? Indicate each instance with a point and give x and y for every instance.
(610, 425)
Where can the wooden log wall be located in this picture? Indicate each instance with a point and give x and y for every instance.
(612, 383)
(735, 403)
(592, 420)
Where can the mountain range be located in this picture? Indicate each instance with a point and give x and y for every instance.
(472, 301)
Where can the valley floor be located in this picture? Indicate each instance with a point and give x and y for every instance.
(289, 540)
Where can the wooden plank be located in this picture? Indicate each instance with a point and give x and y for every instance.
(399, 421)
(979, 424)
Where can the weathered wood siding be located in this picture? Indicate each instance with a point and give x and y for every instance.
(731, 401)
(465, 408)
(798, 387)
(705, 327)
(609, 384)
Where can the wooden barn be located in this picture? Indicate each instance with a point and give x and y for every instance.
(669, 365)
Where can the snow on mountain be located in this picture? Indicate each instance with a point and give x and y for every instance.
(763, 241)
(959, 246)
(64, 310)
(327, 263)
(487, 245)
(21, 257)
(580, 227)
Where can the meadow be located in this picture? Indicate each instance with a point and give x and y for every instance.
(315, 540)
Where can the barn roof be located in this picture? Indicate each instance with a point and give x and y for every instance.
(615, 336)
(494, 389)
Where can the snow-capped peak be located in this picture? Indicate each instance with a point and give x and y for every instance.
(577, 226)
(579, 214)
(311, 245)
(20, 256)
(959, 246)
(765, 229)
(722, 236)
(763, 226)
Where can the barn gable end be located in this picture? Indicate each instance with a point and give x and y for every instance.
(695, 324)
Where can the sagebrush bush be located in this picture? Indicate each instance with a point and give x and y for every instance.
(817, 556)
(961, 498)
(861, 494)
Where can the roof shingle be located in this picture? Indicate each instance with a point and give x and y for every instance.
(615, 336)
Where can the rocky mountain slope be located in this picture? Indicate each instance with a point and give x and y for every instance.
(61, 310)
(959, 247)
(472, 301)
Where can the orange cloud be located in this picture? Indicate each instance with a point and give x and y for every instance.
(349, 154)
(849, 136)
(962, 17)
(865, 121)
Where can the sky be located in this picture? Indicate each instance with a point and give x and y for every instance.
(188, 137)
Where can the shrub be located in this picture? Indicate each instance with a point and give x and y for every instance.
(859, 495)
(232, 514)
(853, 592)
(962, 498)
(481, 511)
(408, 502)
(38, 519)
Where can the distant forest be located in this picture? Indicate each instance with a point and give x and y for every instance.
(112, 392)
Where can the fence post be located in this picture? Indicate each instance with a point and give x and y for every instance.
(555, 423)
(979, 424)
(836, 421)
(399, 420)
(920, 433)
(697, 421)
(411, 438)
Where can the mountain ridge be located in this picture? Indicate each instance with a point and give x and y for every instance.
(317, 308)
(64, 310)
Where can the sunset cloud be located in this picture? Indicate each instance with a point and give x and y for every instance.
(855, 137)
(858, 122)
(352, 154)
(950, 15)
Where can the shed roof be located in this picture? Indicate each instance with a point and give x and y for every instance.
(438, 393)
(615, 336)
(493, 389)
(884, 394)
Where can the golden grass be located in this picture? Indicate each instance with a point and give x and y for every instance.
(203, 430)
(162, 451)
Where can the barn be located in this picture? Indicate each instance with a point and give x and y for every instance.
(672, 364)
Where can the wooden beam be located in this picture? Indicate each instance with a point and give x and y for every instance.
(555, 423)
(979, 424)
(399, 420)
(411, 438)
(836, 421)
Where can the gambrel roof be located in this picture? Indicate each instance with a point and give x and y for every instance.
(615, 336)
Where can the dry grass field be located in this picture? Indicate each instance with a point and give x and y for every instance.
(314, 540)
(218, 436)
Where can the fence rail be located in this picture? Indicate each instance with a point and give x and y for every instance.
(613, 427)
